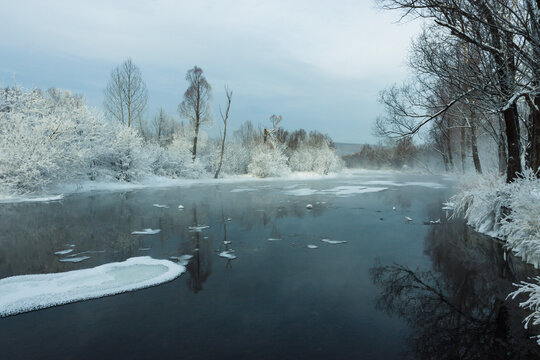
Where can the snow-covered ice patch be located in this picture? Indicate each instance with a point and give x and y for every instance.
(75, 259)
(15, 199)
(198, 228)
(345, 191)
(301, 192)
(19, 294)
(228, 254)
(333, 242)
(63, 252)
(312, 246)
(247, 189)
(161, 206)
(146, 232)
(273, 239)
(182, 259)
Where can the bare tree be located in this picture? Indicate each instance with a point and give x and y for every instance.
(164, 126)
(126, 95)
(196, 104)
(224, 117)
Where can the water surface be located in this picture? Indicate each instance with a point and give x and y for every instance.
(395, 289)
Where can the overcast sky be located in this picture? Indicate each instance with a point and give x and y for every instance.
(320, 64)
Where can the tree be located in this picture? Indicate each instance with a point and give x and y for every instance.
(164, 127)
(225, 117)
(196, 104)
(126, 95)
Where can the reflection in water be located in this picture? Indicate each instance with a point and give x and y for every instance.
(458, 309)
(200, 266)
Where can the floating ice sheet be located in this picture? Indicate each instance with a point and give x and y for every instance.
(75, 259)
(333, 242)
(146, 232)
(227, 255)
(353, 190)
(312, 246)
(161, 206)
(273, 239)
(63, 252)
(302, 192)
(198, 228)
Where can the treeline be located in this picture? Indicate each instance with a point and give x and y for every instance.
(53, 137)
(476, 77)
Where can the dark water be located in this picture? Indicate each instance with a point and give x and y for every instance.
(396, 289)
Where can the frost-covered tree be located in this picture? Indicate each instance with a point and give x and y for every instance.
(196, 104)
(126, 95)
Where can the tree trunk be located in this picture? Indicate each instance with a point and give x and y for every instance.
(462, 149)
(513, 167)
(195, 141)
(534, 137)
(502, 153)
(474, 148)
(450, 156)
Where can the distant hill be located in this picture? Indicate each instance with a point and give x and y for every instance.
(347, 149)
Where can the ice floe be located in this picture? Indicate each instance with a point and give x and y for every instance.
(180, 207)
(14, 199)
(333, 242)
(408, 218)
(309, 206)
(182, 259)
(19, 294)
(63, 252)
(198, 228)
(75, 259)
(344, 191)
(312, 246)
(301, 192)
(146, 232)
(161, 206)
(228, 254)
(243, 190)
(273, 239)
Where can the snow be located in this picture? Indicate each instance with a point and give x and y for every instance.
(333, 242)
(340, 191)
(161, 206)
(19, 294)
(76, 259)
(198, 228)
(228, 254)
(146, 232)
(63, 252)
(345, 191)
(302, 192)
(182, 259)
(20, 199)
(312, 246)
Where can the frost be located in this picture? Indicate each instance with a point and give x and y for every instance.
(19, 294)
(146, 232)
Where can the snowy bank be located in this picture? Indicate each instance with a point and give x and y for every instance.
(19, 294)
(510, 212)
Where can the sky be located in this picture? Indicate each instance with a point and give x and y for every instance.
(319, 64)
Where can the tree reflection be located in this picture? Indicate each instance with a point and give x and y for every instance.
(458, 309)
(200, 266)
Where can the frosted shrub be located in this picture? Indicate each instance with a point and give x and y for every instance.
(236, 159)
(321, 159)
(480, 200)
(123, 157)
(43, 138)
(521, 227)
(268, 160)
